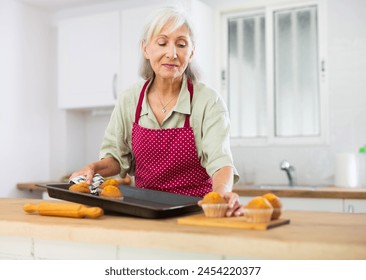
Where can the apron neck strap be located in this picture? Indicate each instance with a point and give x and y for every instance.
(141, 98)
(190, 89)
(139, 104)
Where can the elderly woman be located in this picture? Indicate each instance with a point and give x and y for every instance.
(170, 131)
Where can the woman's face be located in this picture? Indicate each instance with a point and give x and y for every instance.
(170, 52)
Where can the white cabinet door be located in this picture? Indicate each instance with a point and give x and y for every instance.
(203, 19)
(313, 204)
(88, 60)
(132, 25)
(307, 204)
(355, 205)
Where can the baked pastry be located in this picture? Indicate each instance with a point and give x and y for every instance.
(213, 198)
(111, 192)
(126, 180)
(258, 210)
(276, 204)
(110, 182)
(214, 205)
(259, 202)
(81, 187)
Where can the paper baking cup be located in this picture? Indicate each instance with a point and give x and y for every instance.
(215, 210)
(258, 215)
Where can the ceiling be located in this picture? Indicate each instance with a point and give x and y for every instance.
(55, 5)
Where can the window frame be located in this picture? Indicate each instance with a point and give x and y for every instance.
(268, 11)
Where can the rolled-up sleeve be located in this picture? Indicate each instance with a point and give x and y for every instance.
(117, 137)
(216, 151)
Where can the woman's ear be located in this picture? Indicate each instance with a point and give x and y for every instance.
(192, 53)
(144, 49)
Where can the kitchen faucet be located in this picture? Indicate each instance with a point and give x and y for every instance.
(290, 171)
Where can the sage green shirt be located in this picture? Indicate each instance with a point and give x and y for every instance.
(209, 119)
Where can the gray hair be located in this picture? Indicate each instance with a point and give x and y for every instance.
(154, 26)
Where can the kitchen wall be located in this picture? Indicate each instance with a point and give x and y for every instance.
(40, 142)
(26, 56)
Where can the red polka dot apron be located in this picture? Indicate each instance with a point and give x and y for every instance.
(167, 159)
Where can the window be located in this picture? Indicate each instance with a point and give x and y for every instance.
(273, 80)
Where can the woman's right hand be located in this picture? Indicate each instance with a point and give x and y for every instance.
(87, 171)
(105, 167)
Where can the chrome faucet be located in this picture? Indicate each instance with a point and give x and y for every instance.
(290, 171)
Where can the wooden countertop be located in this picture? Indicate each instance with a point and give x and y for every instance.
(310, 235)
(32, 186)
(244, 190)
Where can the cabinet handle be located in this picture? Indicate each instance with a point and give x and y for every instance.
(114, 86)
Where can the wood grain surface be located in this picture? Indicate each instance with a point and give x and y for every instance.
(310, 235)
(231, 222)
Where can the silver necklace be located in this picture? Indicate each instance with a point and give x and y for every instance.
(164, 107)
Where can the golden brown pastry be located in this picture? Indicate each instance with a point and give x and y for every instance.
(110, 182)
(213, 198)
(111, 192)
(258, 210)
(276, 204)
(259, 202)
(82, 187)
(126, 180)
(214, 205)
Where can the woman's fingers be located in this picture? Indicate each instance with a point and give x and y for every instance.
(234, 204)
(235, 208)
(87, 171)
(231, 198)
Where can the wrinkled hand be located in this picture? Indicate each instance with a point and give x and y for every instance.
(87, 171)
(235, 208)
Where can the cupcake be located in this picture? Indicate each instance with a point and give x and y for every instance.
(276, 204)
(214, 205)
(258, 210)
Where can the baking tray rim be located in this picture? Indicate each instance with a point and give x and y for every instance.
(114, 201)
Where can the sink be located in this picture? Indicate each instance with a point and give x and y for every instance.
(286, 187)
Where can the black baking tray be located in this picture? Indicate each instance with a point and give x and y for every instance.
(136, 202)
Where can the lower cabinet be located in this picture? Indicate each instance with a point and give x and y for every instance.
(355, 205)
(313, 204)
(320, 204)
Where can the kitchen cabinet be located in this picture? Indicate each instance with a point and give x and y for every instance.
(88, 60)
(308, 204)
(355, 205)
(320, 204)
(313, 204)
(132, 24)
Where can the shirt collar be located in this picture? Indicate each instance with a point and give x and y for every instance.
(183, 104)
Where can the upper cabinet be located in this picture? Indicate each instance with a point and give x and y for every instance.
(88, 60)
(132, 25)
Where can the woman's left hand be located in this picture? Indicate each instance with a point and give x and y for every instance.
(235, 208)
